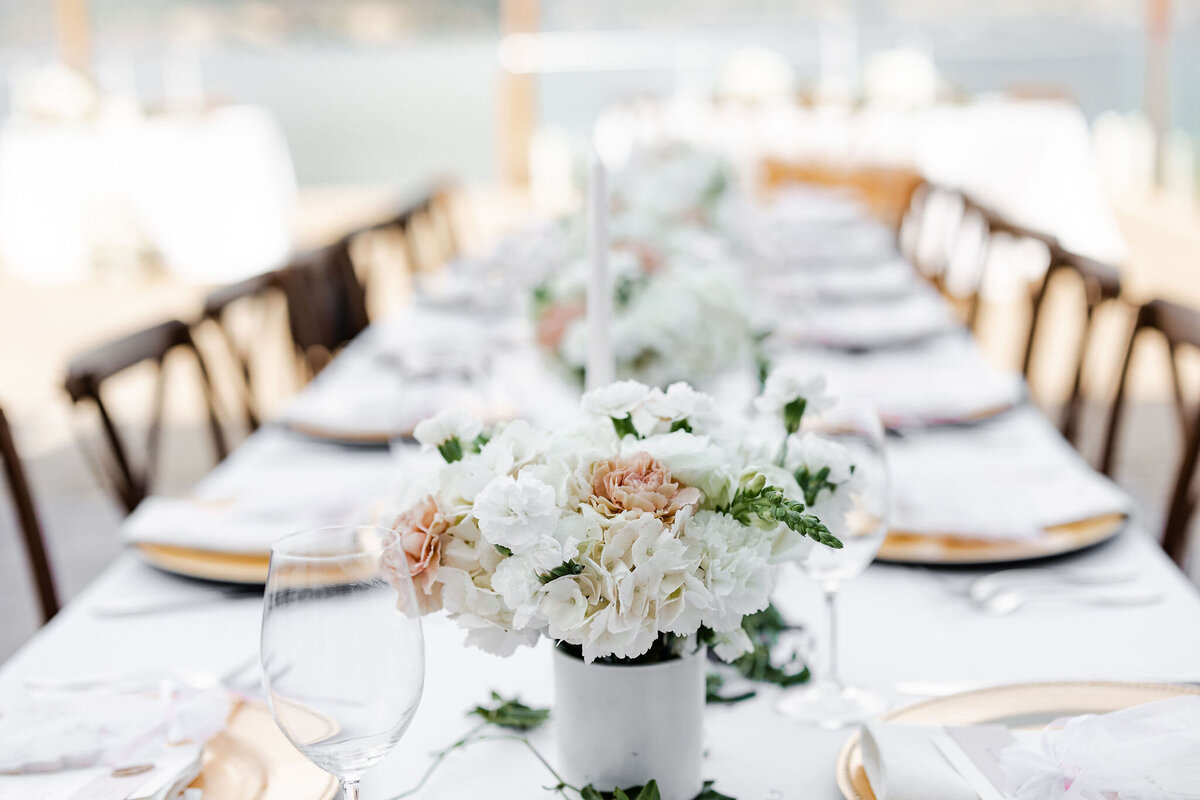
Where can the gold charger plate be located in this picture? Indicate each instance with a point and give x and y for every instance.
(209, 565)
(918, 548)
(1020, 705)
(252, 760)
(342, 436)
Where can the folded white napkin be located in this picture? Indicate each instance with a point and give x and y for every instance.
(361, 398)
(903, 763)
(1148, 752)
(275, 484)
(917, 315)
(59, 746)
(1008, 478)
(890, 279)
(943, 380)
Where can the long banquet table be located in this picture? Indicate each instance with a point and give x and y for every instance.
(899, 625)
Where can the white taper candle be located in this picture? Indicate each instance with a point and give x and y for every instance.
(600, 368)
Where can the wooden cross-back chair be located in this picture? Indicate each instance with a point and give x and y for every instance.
(430, 227)
(219, 306)
(886, 191)
(27, 521)
(996, 225)
(326, 302)
(1179, 327)
(1100, 283)
(929, 228)
(86, 376)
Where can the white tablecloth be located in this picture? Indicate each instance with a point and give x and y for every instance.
(898, 624)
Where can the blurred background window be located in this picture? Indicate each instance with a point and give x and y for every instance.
(352, 81)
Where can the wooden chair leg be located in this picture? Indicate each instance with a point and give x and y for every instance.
(31, 529)
(1175, 532)
(1070, 419)
(1116, 411)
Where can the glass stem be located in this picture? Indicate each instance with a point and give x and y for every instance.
(830, 672)
(350, 789)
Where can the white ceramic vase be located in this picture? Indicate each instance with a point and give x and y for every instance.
(621, 726)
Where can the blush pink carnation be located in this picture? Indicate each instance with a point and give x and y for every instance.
(639, 483)
(420, 529)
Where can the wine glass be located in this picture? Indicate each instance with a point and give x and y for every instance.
(857, 513)
(342, 653)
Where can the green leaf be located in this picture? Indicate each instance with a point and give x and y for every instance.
(481, 440)
(451, 450)
(502, 550)
(624, 426)
(793, 412)
(561, 571)
(681, 425)
(713, 683)
(589, 792)
(619, 794)
(649, 792)
(512, 714)
(756, 500)
(709, 793)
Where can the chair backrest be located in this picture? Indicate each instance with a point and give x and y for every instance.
(929, 229)
(1101, 283)
(326, 302)
(86, 375)
(1179, 326)
(219, 305)
(27, 519)
(996, 225)
(886, 191)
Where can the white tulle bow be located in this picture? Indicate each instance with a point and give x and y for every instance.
(1149, 752)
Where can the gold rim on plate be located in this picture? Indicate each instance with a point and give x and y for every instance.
(1018, 703)
(342, 436)
(209, 565)
(919, 548)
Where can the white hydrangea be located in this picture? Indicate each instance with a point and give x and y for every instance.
(735, 562)
(453, 423)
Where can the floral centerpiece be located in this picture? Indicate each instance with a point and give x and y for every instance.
(675, 317)
(646, 532)
(669, 187)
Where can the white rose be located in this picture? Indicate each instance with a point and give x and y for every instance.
(518, 514)
(453, 423)
(785, 385)
(617, 400)
(813, 453)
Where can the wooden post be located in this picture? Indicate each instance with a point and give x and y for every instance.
(74, 34)
(1156, 89)
(517, 110)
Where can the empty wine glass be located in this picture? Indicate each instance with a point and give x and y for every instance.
(342, 652)
(856, 511)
